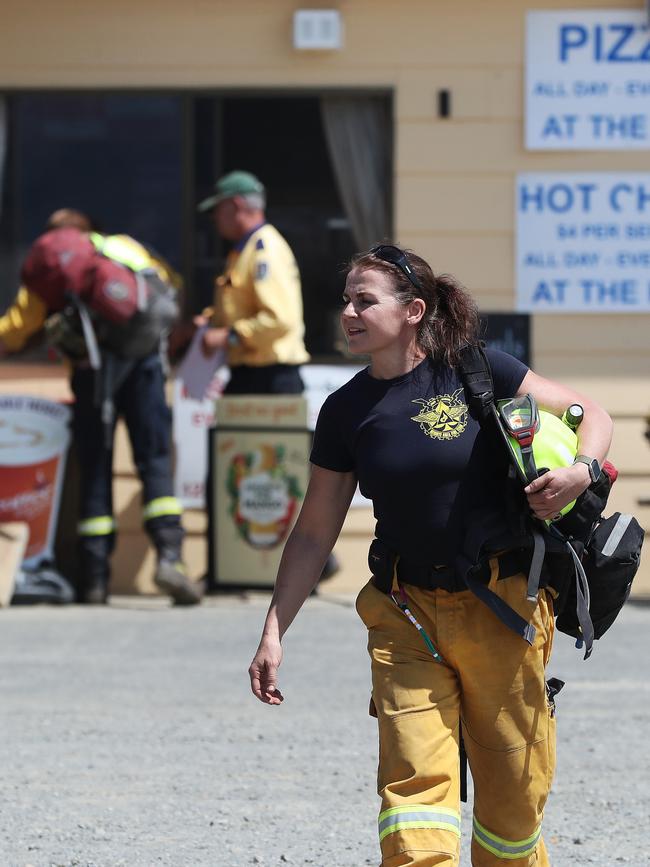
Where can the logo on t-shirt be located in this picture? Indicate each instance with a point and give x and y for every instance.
(443, 417)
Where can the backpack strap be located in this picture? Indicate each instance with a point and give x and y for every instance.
(536, 563)
(476, 374)
(507, 615)
(583, 594)
(88, 331)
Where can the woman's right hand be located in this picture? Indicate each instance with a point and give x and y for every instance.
(263, 671)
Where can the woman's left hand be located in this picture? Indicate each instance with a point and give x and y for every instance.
(263, 671)
(552, 491)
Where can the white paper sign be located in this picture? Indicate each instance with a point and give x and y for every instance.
(588, 80)
(197, 370)
(191, 421)
(583, 242)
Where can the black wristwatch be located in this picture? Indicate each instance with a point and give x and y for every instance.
(592, 464)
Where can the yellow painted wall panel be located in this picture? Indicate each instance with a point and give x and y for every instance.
(482, 92)
(121, 32)
(622, 397)
(212, 41)
(195, 522)
(132, 565)
(456, 204)
(483, 263)
(593, 334)
(630, 451)
(122, 456)
(48, 381)
(492, 147)
(127, 503)
(616, 367)
(627, 495)
(231, 34)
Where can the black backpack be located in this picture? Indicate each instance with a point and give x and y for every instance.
(588, 561)
(610, 561)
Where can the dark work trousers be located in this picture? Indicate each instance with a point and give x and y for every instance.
(271, 379)
(140, 399)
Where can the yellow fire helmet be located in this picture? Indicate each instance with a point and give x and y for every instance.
(537, 440)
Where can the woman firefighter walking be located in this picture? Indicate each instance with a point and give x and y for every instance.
(442, 663)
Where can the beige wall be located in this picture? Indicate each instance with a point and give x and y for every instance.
(454, 179)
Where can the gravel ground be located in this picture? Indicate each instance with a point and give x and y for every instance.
(128, 736)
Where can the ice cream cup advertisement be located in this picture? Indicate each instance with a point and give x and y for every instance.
(34, 437)
(260, 481)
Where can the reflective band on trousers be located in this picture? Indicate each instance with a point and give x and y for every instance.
(162, 506)
(508, 850)
(418, 816)
(103, 525)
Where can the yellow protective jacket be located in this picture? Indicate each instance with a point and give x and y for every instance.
(28, 313)
(259, 297)
(24, 318)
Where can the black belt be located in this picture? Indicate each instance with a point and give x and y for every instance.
(445, 577)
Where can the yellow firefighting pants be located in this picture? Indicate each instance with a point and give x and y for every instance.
(492, 682)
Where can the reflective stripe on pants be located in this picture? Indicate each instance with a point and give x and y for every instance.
(494, 682)
(161, 507)
(102, 525)
(505, 850)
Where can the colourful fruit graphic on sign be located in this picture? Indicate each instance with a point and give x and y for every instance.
(263, 495)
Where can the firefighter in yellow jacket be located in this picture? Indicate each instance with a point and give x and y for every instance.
(140, 398)
(257, 314)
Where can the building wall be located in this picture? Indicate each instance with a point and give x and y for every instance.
(454, 178)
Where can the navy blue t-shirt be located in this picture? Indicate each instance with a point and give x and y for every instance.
(416, 453)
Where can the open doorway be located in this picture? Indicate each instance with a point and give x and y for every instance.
(282, 139)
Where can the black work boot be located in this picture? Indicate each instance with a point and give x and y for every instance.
(94, 572)
(170, 576)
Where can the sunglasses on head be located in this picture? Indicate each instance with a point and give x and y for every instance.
(395, 256)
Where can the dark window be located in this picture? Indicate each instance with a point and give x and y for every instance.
(117, 157)
(281, 140)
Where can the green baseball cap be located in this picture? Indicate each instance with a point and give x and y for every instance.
(237, 183)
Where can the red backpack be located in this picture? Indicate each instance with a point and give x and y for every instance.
(129, 310)
(65, 262)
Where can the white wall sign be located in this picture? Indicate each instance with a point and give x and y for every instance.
(588, 80)
(583, 242)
